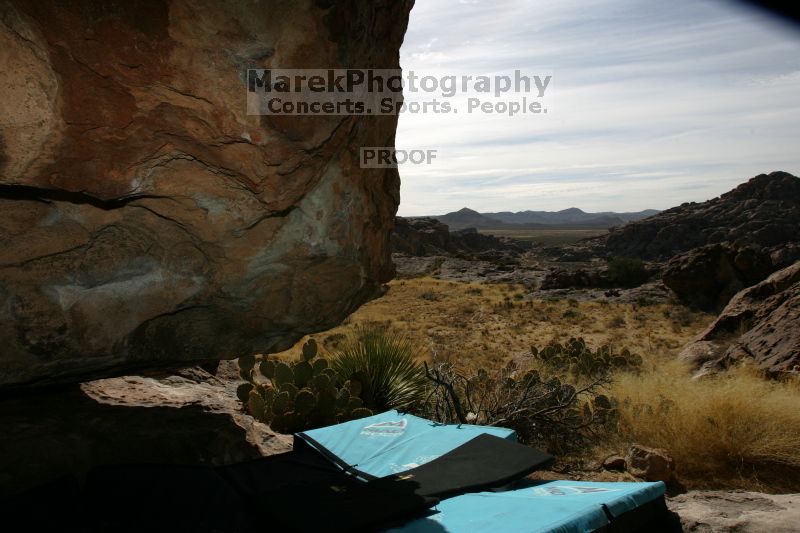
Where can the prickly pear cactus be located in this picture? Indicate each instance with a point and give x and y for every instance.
(579, 360)
(303, 395)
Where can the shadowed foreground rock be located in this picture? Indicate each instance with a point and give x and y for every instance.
(193, 418)
(761, 323)
(145, 220)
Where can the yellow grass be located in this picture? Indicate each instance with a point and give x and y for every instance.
(546, 236)
(489, 324)
(733, 430)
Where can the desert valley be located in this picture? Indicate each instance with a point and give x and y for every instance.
(705, 296)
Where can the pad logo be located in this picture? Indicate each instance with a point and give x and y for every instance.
(418, 461)
(568, 490)
(390, 428)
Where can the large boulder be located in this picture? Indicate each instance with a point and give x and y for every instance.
(708, 277)
(761, 323)
(145, 219)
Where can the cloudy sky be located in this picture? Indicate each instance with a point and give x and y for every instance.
(651, 103)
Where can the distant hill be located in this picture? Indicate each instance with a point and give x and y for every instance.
(572, 218)
(572, 215)
(468, 218)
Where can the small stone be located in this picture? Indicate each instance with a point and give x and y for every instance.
(615, 463)
(650, 464)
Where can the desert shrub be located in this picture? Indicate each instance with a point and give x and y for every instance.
(430, 296)
(683, 316)
(626, 272)
(616, 322)
(436, 266)
(383, 360)
(303, 395)
(725, 430)
(575, 357)
(544, 411)
(333, 340)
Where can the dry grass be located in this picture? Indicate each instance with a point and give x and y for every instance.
(546, 236)
(736, 430)
(489, 324)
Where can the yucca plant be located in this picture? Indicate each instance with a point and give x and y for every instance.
(382, 360)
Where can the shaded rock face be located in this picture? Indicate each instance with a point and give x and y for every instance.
(761, 323)
(192, 418)
(145, 220)
(709, 276)
(763, 213)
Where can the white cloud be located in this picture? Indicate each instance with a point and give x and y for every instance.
(653, 104)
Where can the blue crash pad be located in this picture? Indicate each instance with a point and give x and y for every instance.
(393, 442)
(551, 507)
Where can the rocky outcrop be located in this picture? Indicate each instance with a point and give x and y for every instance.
(761, 323)
(709, 276)
(145, 220)
(563, 278)
(190, 418)
(734, 511)
(422, 237)
(763, 213)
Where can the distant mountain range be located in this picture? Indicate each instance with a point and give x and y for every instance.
(572, 218)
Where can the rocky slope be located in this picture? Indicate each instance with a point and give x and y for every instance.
(761, 323)
(763, 213)
(145, 220)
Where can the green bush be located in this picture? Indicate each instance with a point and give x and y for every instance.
(626, 272)
(383, 361)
